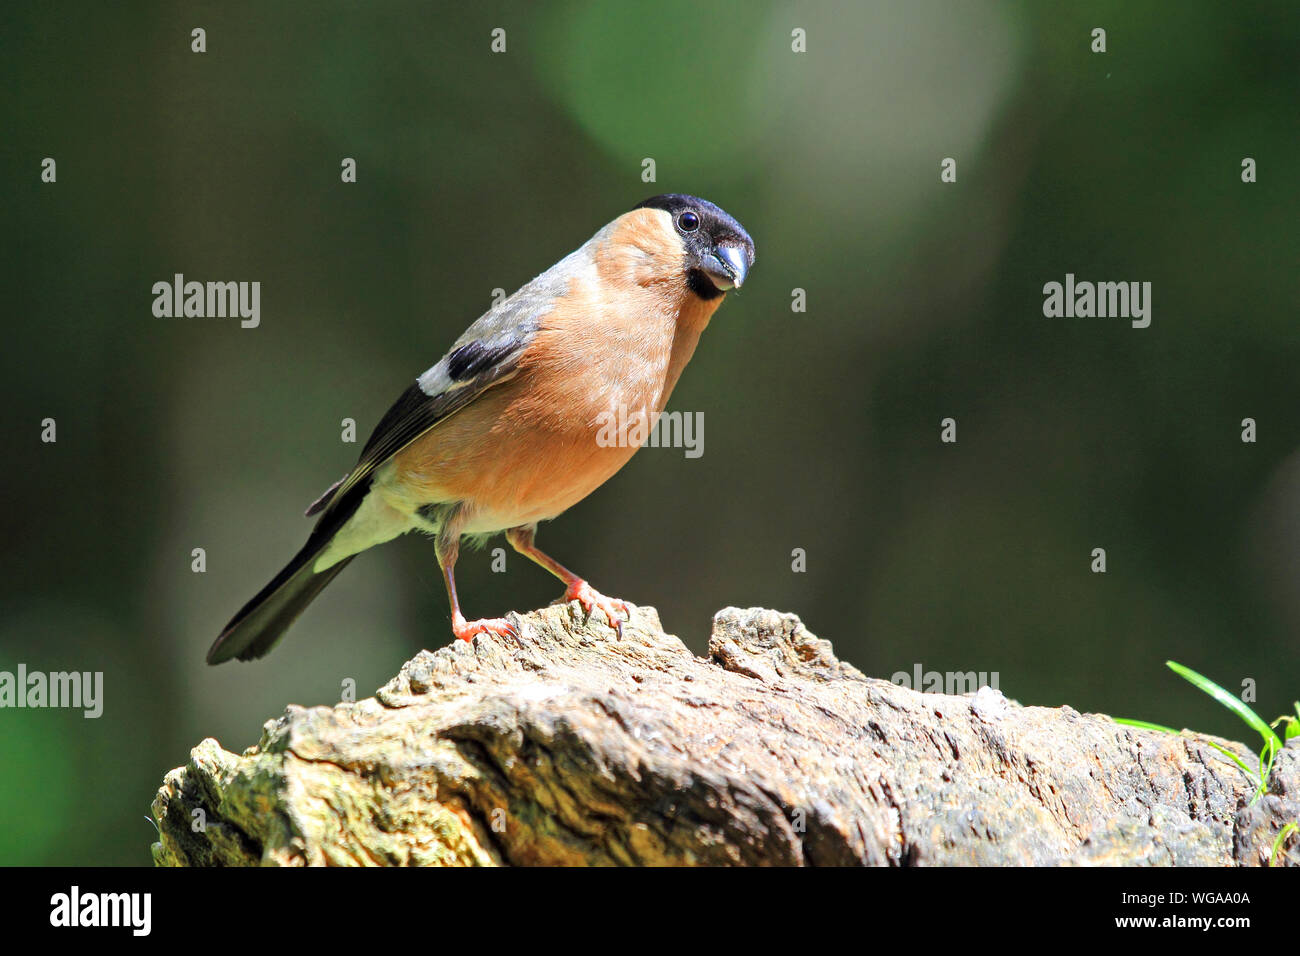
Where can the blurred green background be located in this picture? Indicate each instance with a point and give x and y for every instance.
(477, 171)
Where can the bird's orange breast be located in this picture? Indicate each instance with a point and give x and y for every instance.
(606, 357)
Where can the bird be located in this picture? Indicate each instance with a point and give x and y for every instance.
(511, 426)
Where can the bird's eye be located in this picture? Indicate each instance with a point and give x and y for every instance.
(688, 221)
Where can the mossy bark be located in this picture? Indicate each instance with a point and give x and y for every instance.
(571, 747)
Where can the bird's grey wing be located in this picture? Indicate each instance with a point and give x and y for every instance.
(486, 355)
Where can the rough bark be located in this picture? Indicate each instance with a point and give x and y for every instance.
(571, 747)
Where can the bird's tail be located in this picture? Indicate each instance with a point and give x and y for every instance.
(261, 622)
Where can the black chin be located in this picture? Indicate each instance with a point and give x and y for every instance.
(700, 284)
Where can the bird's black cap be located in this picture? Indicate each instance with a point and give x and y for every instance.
(716, 229)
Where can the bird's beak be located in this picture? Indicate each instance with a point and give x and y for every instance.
(726, 267)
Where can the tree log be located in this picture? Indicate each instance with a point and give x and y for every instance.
(569, 746)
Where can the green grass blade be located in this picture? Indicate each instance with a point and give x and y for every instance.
(1288, 725)
(1143, 725)
(1245, 768)
(1230, 701)
(1293, 726)
(1282, 834)
(1266, 758)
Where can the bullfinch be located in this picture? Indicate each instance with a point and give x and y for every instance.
(511, 426)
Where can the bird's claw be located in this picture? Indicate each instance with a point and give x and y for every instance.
(468, 630)
(616, 611)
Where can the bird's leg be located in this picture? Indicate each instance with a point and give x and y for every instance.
(448, 549)
(575, 588)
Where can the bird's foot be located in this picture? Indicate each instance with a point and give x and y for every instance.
(468, 630)
(616, 611)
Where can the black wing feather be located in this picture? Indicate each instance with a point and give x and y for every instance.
(486, 355)
(416, 411)
(474, 357)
